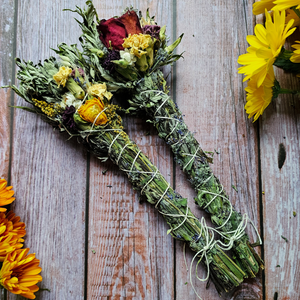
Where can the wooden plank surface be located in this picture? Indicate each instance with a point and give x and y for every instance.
(7, 36)
(280, 127)
(48, 173)
(7, 28)
(95, 240)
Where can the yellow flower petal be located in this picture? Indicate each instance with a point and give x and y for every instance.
(285, 4)
(261, 6)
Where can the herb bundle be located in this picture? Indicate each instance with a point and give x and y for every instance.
(65, 95)
(130, 60)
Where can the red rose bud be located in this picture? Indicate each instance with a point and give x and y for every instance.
(113, 31)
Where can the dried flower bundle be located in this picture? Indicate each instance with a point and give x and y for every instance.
(139, 51)
(66, 96)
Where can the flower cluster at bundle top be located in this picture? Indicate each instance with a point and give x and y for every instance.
(78, 96)
(267, 49)
(132, 43)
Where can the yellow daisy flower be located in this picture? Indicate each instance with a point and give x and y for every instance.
(265, 46)
(5, 194)
(19, 273)
(258, 98)
(284, 4)
(11, 233)
(296, 54)
(261, 6)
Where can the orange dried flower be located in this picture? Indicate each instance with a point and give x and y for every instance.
(19, 273)
(11, 233)
(92, 111)
(5, 194)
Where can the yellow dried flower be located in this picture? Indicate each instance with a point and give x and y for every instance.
(137, 43)
(92, 111)
(62, 76)
(49, 109)
(100, 90)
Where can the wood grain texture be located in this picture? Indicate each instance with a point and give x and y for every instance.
(280, 127)
(48, 173)
(210, 94)
(128, 240)
(7, 28)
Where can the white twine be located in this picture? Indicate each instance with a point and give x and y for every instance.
(109, 148)
(166, 190)
(121, 152)
(193, 157)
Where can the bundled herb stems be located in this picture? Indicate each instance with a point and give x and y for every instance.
(130, 60)
(69, 100)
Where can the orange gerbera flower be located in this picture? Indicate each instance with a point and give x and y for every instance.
(5, 194)
(19, 273)
(11, 233)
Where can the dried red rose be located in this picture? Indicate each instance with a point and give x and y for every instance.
(113, 31)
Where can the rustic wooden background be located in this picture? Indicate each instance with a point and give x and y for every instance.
(99, 242)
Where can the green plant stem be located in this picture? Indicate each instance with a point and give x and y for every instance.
(287, 91)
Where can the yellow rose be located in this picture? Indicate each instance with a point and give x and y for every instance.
(62, 76)
(100, 90)
(92, 110)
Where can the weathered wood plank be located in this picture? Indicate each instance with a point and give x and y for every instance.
(6, 70)
(280, 128)
(49, 174)
(6, 54)
(134, 257)
(210, 94)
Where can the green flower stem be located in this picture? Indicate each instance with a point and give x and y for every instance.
(287, 91)
(168, 120)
